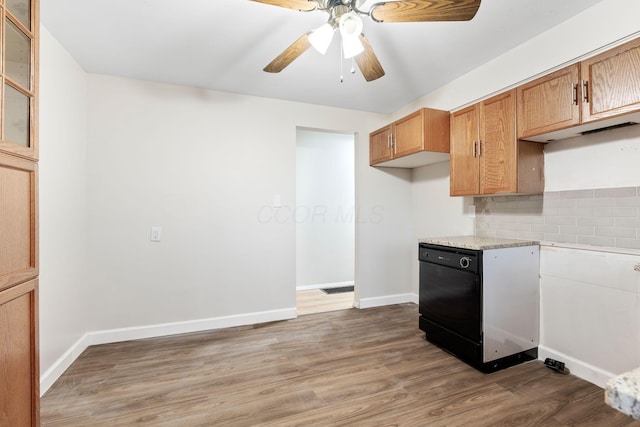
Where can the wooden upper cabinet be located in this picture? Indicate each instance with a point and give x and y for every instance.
(380, 145)
(417, 139)
(486, 156)
(465, 134)
(497, 147)
(611, 82)
(407, 135)
(549, 103)
(595, 93)
(19, 88)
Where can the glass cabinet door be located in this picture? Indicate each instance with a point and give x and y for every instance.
(16, 116)
(17, 55)
(21, 10)
(18, 71)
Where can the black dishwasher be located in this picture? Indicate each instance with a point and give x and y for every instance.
(451, 306)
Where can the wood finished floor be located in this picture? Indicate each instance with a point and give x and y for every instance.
(368, 367)
(316, 301)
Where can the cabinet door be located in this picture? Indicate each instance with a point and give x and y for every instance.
(18, 220)
(19, 371)
(611, 82)
(407, 135)
(380, 145)
(497, 148)
(464, 160)
(549, 103)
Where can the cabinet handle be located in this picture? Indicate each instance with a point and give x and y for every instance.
(389, 141)
(585, 91)
(479, 148)
(575, 94)
(475, 154)
(392, 142)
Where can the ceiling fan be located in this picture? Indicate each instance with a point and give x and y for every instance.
(345, 17)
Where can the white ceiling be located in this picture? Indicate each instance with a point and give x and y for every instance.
(225, 44)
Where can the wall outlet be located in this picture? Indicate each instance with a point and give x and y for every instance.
(156, 234)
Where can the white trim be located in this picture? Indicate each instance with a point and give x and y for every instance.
(577, 367)
(324, 286)
(62, 364)
(151, 331)
(385, 300)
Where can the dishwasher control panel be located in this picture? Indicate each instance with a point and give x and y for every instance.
(449, 257)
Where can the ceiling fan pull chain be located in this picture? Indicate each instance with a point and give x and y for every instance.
(341, 63)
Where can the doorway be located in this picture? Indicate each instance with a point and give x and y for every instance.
(325, 220)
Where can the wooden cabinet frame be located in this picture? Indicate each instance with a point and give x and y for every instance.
(19, 345)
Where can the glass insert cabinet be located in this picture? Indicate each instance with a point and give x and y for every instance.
(19, 355)
(18, 70)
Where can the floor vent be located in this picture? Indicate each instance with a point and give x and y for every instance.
(340, 290)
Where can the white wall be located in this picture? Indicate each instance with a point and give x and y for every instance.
(64, 278)
(205, 166)
(608, 159)
(120, 155)
(325, 208)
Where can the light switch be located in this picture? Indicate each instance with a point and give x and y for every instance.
(156, 234)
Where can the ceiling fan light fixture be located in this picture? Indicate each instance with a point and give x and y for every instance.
(351, 46)
(321, 38)
(350, 25)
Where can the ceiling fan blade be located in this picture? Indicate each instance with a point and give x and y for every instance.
(303, 5)
(289, 55)
(368, 62)
(425, 10)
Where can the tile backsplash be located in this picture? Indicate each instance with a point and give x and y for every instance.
(601, 217)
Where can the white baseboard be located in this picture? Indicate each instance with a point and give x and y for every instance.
(62, 364)
(324, 286)
(577, 367)
(150, 331)
(386, 300)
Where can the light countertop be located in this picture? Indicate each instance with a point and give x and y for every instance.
(477, 243)
(623, 393)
